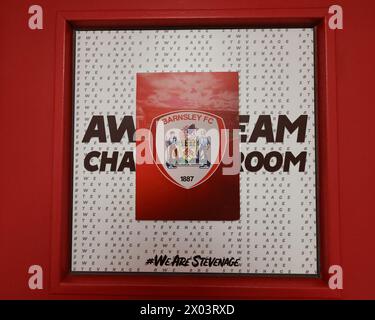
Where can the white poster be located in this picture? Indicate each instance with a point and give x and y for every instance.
(270, 73)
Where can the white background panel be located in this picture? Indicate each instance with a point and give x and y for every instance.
(276, 233)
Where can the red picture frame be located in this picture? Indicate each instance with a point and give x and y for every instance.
(197, 286)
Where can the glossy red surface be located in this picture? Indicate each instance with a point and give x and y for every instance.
(35, 106)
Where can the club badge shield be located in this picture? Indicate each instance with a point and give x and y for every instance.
(188, 146)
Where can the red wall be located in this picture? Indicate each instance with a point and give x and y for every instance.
(27, 75)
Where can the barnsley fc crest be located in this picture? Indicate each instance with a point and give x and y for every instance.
(187, 146)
